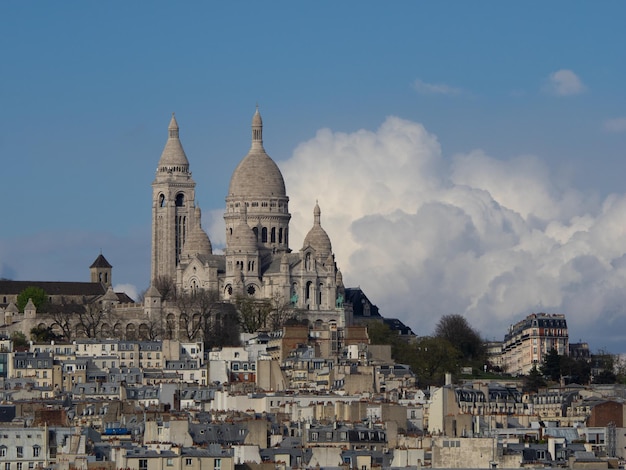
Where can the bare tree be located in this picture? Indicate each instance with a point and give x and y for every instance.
(207, 304)
(90, 319)
(282, 311)
(187, 328)
(64, 318)
(153, 330)
(197, 312)
(166, 287)
(253, 313)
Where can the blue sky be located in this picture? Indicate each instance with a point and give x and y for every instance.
(520, 106)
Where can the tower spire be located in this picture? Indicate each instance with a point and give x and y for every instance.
(173, 127)
(257, 128)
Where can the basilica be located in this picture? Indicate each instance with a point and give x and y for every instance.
(256, 264)
(257, 261)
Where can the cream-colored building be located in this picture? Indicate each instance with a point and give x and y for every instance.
(529, 340)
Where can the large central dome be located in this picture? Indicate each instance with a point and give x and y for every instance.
(257, 174)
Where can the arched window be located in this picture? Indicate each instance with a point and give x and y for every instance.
(280, 235)
(307, 261)
(144, 331)
(161, 200)
(273, 237)
(180, 200)
(264, 235)
(256, 233)
(131, 331)
(309, 288)
(320, 291)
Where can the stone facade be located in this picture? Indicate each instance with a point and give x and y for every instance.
(257, 261)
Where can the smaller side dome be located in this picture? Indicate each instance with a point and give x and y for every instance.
(243, 238)
(317, 238)
(198, 242)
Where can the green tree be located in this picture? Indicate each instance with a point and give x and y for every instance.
(456, 330)
(20, 342)
(431, 357)
(37, 294)
(380, 333)
(43, 334)
(575, 370)
(551, 365)
(603, 362)
(534, 380)
(605, 377)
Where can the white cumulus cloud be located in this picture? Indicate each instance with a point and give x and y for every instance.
(494, 240)
(564, 82)
(435, 88)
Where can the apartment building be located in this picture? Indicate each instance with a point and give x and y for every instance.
(529, 340)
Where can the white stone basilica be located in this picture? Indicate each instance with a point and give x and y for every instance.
(257, 261)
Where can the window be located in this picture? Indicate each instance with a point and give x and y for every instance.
(3, 451)
(7, 466)
(36, 451)
(188, 462)
(217, 464)
(143, 464)
(314, 436)
(20, 452)
(19, 466)
(169, 462)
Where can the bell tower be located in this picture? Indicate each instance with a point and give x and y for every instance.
(173, 206)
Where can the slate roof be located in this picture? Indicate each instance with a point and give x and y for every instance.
(100, 262)
(54, 287)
